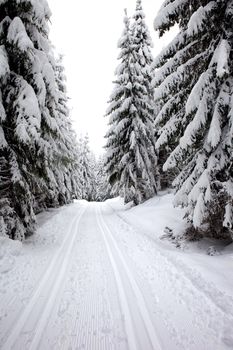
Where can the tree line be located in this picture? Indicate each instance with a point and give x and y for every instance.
(170, 118)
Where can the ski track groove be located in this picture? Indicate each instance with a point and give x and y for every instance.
(122, 296)
(52, 298)
(144, 313)
(28, 310)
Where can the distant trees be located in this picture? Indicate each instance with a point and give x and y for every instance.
(193, 95)
(93, 184)
(130, 157)
(86, 169)
(103, 188)
(37, 145)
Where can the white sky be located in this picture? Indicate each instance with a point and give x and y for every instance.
(87, 32)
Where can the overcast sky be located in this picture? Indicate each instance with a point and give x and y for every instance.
(87, 32)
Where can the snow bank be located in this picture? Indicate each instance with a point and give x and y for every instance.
(153, 216)
(206, 262)
(8, 251)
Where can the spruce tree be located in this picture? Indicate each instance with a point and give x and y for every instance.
(86, 169)
(141, 45)
(194, 86)
(130, 158)
(20, 123)
(30, 128)
(67, 169)
(103, 188)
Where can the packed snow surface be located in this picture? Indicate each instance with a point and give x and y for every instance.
(98, 276)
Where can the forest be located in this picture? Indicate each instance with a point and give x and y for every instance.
(130, 249)
(170, 119)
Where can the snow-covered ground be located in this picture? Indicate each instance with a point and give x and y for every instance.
(98, 276)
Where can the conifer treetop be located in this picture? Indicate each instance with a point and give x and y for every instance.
(139, 5)
(141, 39)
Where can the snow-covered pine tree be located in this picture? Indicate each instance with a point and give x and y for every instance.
(29, 99)
(67, 172)
(86, 169)
(194, 95)
(93, 172)
(20, 123)
(103, 188)
(142, 45)
(130, 157)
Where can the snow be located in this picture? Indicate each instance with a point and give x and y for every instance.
(199, 211)
(41, 8)
(17, 35)
(4, 66)
(221, 57)
(9, 252)
(228, 219)
(166, 11)
(198, 18)
(197, 92)
(103, 276)
(197, 123)
(3, 142)
(215, 131)
(154, 214)
(28, 113)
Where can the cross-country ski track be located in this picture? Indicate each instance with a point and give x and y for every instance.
(104, 286)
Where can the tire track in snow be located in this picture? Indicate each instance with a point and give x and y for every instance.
(51, 280)
(133, 324)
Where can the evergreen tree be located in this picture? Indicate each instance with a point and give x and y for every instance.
(141, 45)
(30, 128)
(86, 170)
(93, 179)
(68, 173)
(130, 158)
(103, 188)
(193, 94)
(20, 123)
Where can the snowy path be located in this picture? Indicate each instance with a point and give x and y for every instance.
(106, 286)
(139, 327)
(35, 315)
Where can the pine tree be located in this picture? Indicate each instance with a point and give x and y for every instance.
(86, 169)
(130, 158)
(141, 45)
(193, 94)
(20, 123)
(103, 188)
(31, 163)
(67, 169)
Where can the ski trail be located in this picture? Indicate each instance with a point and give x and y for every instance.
(56, 269)
(130, 325)
(46, 313)
(123, 299)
